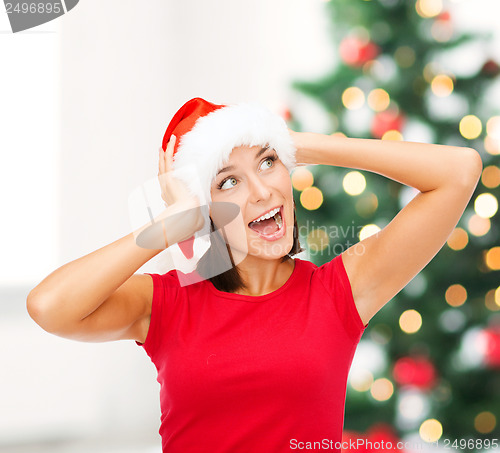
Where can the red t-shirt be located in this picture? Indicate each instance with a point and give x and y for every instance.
(253, 374)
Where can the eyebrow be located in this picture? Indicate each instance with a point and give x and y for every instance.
(231, 167)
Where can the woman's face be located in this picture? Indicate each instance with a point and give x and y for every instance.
(257, 182)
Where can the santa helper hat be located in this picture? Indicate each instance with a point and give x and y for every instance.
(206, 134)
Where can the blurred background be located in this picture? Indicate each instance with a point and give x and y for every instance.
(85, 101)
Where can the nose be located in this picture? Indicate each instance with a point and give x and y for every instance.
(258, 189)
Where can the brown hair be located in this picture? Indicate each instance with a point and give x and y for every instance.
(230, 281)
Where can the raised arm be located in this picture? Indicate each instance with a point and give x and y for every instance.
(98, 297)
(381, 265)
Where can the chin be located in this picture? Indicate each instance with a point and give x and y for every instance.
(272, 250)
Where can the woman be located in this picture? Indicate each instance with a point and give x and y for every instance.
(255, 359)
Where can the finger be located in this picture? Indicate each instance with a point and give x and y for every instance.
(166, 157)
(161, 159)
(169, 154)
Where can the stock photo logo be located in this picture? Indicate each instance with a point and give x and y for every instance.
(28, 14)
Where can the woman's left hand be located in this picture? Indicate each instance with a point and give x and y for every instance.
(296, 137)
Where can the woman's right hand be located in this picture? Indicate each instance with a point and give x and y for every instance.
(172, 189)
(175, 192)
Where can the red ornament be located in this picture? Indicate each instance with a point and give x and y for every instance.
(380, 437)
(444, 16)
(286, 114)
(383, 438)
(356, 52)
(414, 371)
(490, 68)
(386, 121)
(491, 338)
(353, 440)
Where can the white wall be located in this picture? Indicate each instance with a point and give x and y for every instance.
(29, 166)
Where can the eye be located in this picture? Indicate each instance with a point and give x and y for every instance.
(223, 183)
(270, 159)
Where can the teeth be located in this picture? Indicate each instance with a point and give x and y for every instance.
(268, 215)
(279, 221)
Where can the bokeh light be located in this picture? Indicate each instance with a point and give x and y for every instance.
(492, 145)
(490, 177)
(431, 69)
(431, 430)
(354, 183)
(485, 422)
(442, 85)
(405, 56)
(493, 127)
(442, 30)
(369, 356)
(478, 226)
(353, 98)
(393, 135)
(486, 205)
(413, 405)
(470, 127)
(373, 67)
(492, 299)
(302, 178)
(452, 320)
(456, 295)
(368, 230)
(318, 239)
(366, 205)
(458, 239)
(378, 100)
(382, 389)
(429, 8)
(311, 198)
(361, 380)
(410, 321)
(492, 258)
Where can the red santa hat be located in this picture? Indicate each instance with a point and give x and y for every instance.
(207, 133)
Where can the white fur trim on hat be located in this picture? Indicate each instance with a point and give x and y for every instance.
(207, 146)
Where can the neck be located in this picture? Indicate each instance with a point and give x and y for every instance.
(262, 276)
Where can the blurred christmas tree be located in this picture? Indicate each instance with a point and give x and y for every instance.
(427, 366)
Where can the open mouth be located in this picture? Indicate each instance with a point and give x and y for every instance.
(270, 228)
